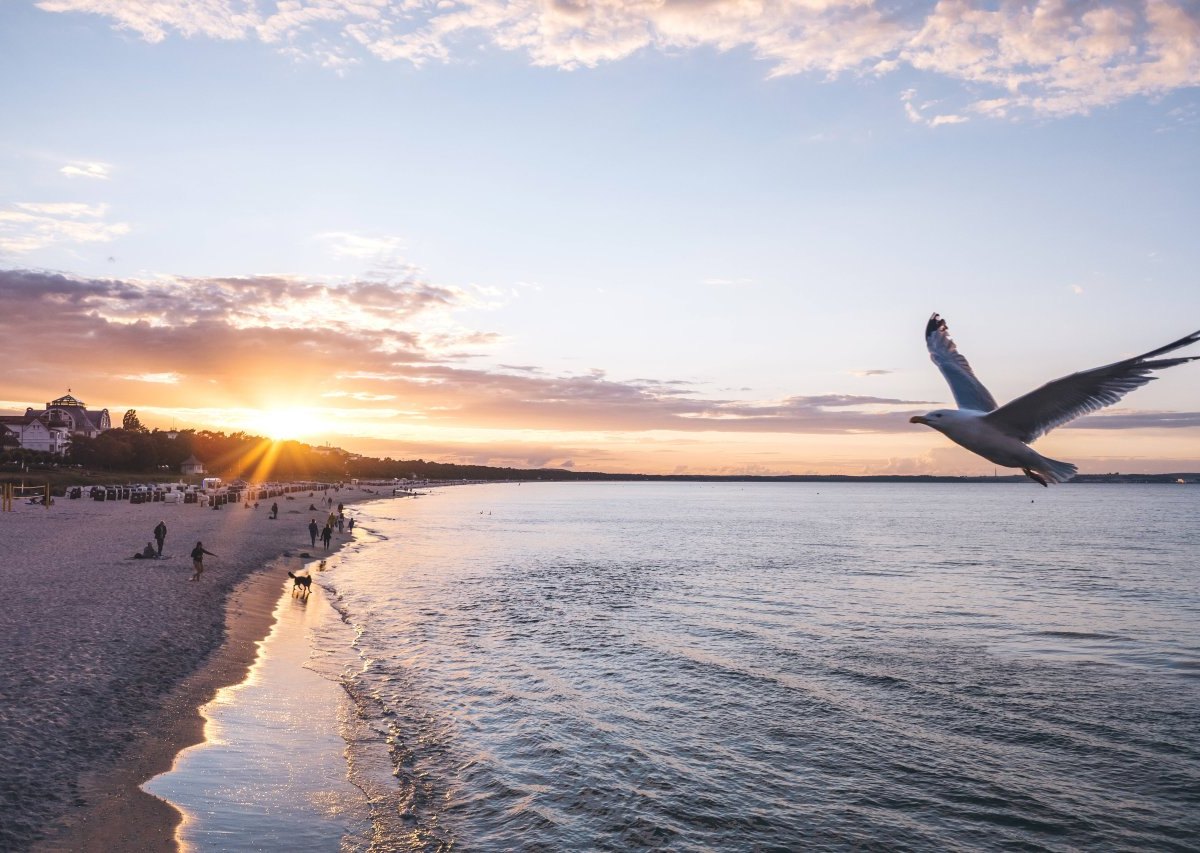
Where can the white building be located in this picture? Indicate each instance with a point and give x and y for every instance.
(49, 430)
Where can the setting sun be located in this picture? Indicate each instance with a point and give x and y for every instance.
(283, 424)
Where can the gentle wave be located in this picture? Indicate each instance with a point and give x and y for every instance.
(700, 667)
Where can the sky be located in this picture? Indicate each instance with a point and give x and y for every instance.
(680, 236)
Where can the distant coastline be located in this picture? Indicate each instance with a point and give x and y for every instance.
(1131, 479)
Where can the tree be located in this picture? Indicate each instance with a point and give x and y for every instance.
(132, 423)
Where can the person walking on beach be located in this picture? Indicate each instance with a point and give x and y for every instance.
(313, 530)
(341, 522)
(326, 535)
(160, 535)
(198, 559)
(274, 510)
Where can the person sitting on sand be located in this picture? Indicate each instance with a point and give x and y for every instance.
(198, 559)
(146, 553)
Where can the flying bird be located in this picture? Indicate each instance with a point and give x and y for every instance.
(1002, 435)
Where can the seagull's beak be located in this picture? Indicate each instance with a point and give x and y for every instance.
(917, 419)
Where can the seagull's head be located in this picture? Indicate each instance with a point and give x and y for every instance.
(939, 419)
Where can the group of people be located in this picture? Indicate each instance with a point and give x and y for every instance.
(150, 552)
(337, 519)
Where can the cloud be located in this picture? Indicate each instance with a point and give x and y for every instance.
(380, 346)
(875, 372)
(1139, 420)
(157, 378)
(1048, 57)
(86, 169)
(378, 357)
(29, 226)
(345, 244)
(916, 113)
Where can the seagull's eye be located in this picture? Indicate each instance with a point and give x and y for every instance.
(937, 416)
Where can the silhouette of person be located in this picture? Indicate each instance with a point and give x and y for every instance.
(198, 559)
(146, 553)
(274, 510)
(313, 530)
(160, 535)
(326, 535)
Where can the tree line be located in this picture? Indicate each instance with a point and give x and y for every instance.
(132, 448)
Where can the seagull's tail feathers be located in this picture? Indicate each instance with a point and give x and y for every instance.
(1052, 471)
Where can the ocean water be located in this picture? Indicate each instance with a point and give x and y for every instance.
(734, 667)
(270, 773)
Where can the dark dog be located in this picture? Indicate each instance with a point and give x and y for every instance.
(303, 583)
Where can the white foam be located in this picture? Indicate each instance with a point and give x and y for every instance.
(271, 773)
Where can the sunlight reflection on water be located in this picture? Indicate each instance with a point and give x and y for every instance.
(271, 772)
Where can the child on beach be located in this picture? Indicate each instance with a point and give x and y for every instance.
(198, 560)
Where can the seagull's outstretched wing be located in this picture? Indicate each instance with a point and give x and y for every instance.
(1063, 400)
(968, 391)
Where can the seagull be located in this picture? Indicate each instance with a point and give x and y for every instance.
(1002, 435)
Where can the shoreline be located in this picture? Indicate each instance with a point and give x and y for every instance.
(113, 658)
(232, 783)
(119, 814)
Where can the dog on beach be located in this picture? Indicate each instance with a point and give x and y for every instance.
(301, 584)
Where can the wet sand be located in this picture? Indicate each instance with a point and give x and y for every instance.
(107, 659)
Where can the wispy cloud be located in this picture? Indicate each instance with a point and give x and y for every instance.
(1049, 57)
(367, 349)
(87, 169)
(154, 378)
(1139, 420)
(916, 113)
(28, 226)
(346, 244)
(255, 337)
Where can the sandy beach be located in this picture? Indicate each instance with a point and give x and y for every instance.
(107, 658)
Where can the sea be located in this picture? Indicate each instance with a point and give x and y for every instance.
(725, 667)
